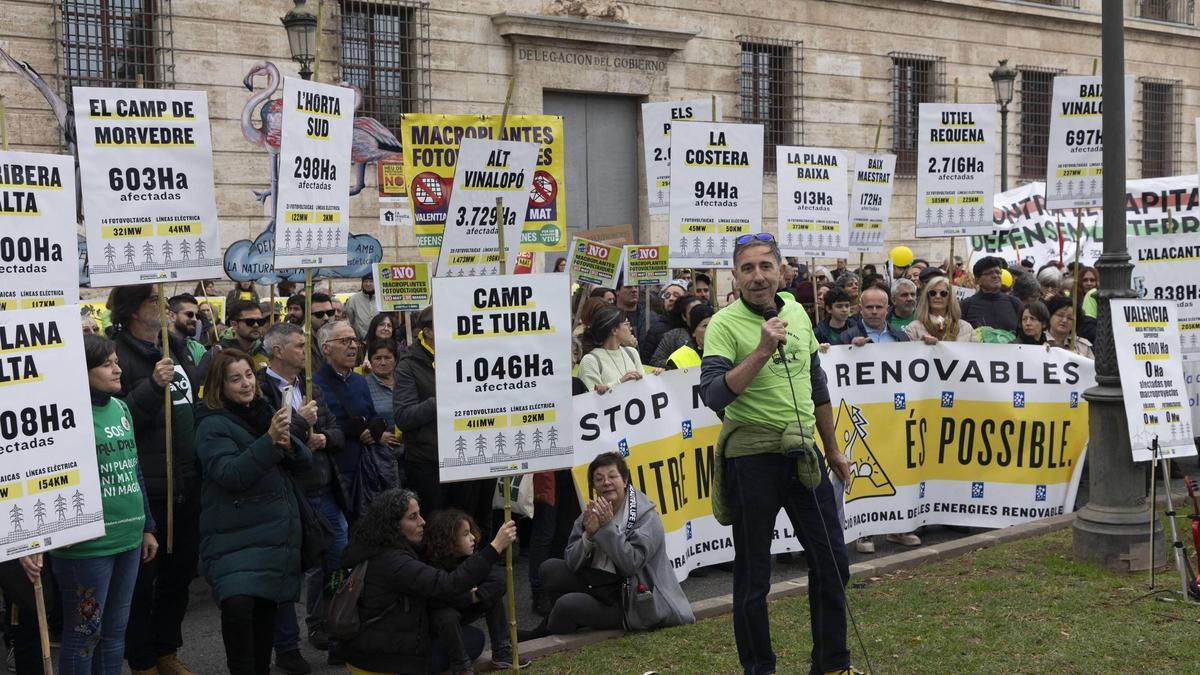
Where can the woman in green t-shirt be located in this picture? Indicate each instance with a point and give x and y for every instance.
(96, 577)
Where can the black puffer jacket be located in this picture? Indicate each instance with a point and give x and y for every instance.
(400, 586)
(319, 476)
(415, 405)
(145, 401)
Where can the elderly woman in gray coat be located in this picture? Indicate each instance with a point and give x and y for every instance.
(616, 573)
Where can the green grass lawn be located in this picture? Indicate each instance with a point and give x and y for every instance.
(1024, 607)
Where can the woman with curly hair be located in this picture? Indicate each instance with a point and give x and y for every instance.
(399, 586)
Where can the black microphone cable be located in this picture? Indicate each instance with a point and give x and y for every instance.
(772, 313)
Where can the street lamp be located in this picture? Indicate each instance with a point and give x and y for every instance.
(301, 26)
(1003, 78)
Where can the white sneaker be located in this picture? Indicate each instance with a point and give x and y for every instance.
(905, 539)
(864, 545)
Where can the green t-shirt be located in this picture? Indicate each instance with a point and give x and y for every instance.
(899, 322)
(1089, 305)
(121, 493)
(734, 332)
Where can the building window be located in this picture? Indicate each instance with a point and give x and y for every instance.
(916, 79)
(1174, 11)
(771, 84)
(109, 43)
(1036, 91)
(1162, 130)
(385, 53)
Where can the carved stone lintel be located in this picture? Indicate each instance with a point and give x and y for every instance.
(602, 10)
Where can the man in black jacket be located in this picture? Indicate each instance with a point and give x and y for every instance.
(991, 306)
(415, 404)
(311, 420)
(160, 597)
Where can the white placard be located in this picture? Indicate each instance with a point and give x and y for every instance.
(485, 170)
(716, 190)
(1146, 335)
(871, 201)
(49, 479)
(1075, 147)
(956, 166)
(503, 375)
(312, 218)
(38, 240)
(145, 164)
(399, 214)
(812, 203)
(657, 119)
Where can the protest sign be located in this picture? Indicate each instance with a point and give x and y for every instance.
(870, 201)
(38, 241)
(49, 479)
(1146, 335)
(486, 170)
(812, 206)
(398, 214)
(431, 151)
(647, 266)
(401, 287)
(1075, 145)
(956, 164)
(389, 179)
(956, 434)
(657, 119)
(503, 375)
(594, 263)
(716, 190)
(145, 165)
(312, 220)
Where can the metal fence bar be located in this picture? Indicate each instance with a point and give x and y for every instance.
(1036, 91)
(916, 79)
(771, 91)
(1162, 126)
(384, 50)
(108, 43)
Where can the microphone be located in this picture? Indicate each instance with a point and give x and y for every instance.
(772, 313)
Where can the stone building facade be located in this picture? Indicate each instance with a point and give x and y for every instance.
(837, 73)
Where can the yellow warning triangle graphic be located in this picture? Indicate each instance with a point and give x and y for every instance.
(867, 477)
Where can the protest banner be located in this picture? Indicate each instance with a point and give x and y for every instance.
(312, 221)
(716, 190)
(485, 172)
(401, 287)
(1146, 335)
(431, 150)
(1075, 145)
(657, 119)
(503, 375)
(38, 241)
(811, 201)
(49, 480)
(870, 201)
(956, 165)
(145, 166)
(591, 262)
(957, 434)
(647, 266)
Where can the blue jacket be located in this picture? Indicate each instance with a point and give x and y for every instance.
(860, 330)
(824, 334)
(353, 391)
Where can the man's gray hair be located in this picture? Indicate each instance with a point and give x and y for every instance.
(278, 335)
(899, 285)
(1050, 276)
(771, 244)
(326, 330)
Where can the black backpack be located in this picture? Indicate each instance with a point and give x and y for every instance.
(341, 615)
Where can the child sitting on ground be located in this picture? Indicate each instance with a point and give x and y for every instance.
(450, 537)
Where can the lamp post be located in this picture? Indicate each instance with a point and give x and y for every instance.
(301, 26)
(1002, 82)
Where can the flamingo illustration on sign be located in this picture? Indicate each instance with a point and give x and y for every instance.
(267, 135)
(372, 141)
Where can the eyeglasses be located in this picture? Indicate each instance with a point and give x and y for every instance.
(758, 236)
(343, 341)
(325, 314)
(937, 294)
(253, 322)
(186, 314)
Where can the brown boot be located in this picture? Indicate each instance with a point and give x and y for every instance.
(171, 665)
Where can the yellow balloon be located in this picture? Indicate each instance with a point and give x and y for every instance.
(902, 256)
(1006, 278)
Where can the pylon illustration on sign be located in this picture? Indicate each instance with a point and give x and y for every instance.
(867, 477)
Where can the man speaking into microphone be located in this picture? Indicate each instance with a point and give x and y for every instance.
(761, 370)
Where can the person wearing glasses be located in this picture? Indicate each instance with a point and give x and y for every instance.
(184, 314)
(161, 595)
(762, 370)
(938, 315)
(991, 306)
(248, 324)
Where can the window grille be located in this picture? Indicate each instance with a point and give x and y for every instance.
(1173, 11)
(772, 91)
(385, 52)
(108, 43)
(916, 79)
(1036, 93)
(1162, 128)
